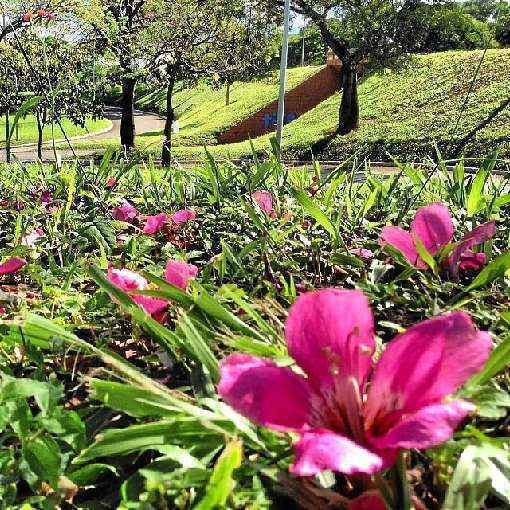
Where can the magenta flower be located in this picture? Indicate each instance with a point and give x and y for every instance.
(353, 417)
(125, 212)
(30, 240)
(180, 273)
(12, 265)
(128, 281)
(264, 200)
(155, 223)
(433, 226)
(183, 216)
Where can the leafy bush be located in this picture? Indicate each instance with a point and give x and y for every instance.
(502, 30)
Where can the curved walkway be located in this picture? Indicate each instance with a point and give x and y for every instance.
(144, 123)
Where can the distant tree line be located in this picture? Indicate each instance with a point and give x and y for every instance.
(438, 26)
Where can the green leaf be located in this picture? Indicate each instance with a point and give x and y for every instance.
(198, 348)
(138, 438)
(212, 307)
(497, 362)
(496, 269)
(315, 212)
(479, 471)
(42, 455)
(475, 198)
(221, 483)
(129, 399)
(425, 255)
(87, 475)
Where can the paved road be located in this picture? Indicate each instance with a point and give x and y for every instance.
(144, 123)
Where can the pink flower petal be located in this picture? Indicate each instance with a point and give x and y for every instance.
(362, 253)
(433, 225)
(125, 212)
(472, 261)
(320, 450)
(111, 182)
(151, 305)
(180, 273)
(13, 265)
(428, 362)
(428, 427)
(272, 396)
(330, 333)
(403, 242)
(128, 281)
(183, 216)
(479, 235)
(370, 500)
(264, 200)
(155, 223)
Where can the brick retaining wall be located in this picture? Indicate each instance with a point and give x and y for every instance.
(299, 100)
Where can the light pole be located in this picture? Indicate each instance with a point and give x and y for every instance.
(283, 74)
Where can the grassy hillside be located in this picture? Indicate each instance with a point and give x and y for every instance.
(202, 110)
(402, 113)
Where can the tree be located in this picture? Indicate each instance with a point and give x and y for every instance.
(12, 72)
(447, 27)
(62, 73)
(486, 10)
(250, 48)
(359, 32)
(121, 29)
(502, 30)
(205, 38)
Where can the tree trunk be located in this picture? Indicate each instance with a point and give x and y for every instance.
(40, 128)
(349, 107)
(227, 96)
(8, 135)
(170, 117)
(127, 122)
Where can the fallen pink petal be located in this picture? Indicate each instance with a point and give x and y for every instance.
(183, 216)
(180, 273)
(155, 223)
(264, 200)
(126, 212)
(12, 265)
(128, 281)
(30, 240)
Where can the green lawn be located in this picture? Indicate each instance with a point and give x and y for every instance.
(27, 132)
(402, 113)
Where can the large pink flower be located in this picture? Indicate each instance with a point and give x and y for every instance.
(155, 223)
(128, 281)
(12, 265)
(183, 216)
(180, 273)
(433, 226)
(125, 212)
(353, 417)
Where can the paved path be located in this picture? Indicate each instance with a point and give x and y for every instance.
(144, 123)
